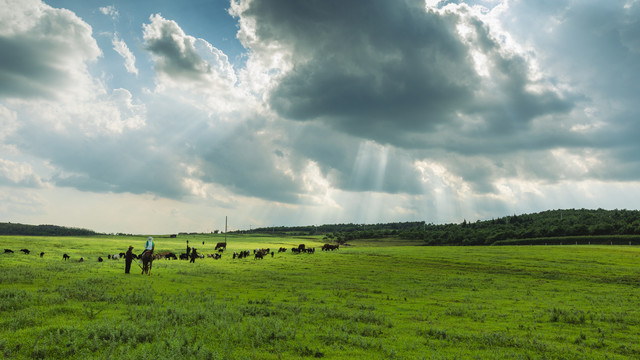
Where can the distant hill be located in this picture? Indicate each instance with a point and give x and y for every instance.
(549, 224)
(42, 230)
(565, 226)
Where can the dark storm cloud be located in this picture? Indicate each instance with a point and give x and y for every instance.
(387, 70)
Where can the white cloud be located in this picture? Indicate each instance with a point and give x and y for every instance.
(18, 174)
(343, 111)
(129, 59)
(110, 11)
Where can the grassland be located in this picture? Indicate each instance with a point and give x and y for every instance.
(367, 301)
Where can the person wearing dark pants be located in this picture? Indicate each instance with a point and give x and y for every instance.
(128, 258)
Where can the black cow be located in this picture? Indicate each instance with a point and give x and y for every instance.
(25, 251)
(8, 251)
(100, 259)
(42, 254)
(65, 257)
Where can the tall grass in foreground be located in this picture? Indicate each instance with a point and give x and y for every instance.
(382, 302)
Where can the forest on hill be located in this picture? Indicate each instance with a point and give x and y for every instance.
(546, 227)
(568, 225)
(42, 230)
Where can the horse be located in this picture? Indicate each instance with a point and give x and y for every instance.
(147, 261)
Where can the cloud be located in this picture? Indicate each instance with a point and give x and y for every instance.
(388, 71)
(44, 51)
(341, 111)
(123, 50)
(110, 11)
(18, 174)
(180, 57)
(465, 86)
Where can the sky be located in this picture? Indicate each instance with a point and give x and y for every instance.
(157, 117)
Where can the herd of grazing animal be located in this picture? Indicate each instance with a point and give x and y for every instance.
(66, 257)
(193, 254)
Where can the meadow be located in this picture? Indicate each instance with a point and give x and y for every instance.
(371, 300)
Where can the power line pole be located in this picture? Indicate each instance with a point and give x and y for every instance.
(225, 229)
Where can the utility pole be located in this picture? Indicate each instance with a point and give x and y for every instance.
(225, 229)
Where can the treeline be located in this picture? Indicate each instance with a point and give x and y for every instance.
(42, 230)
(345, 230)
(546, 224)
(542, 225)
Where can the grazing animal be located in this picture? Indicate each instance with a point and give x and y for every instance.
(295, 250)
(147, 262)
(184, 256)
(282, 250)
(327, 247)
(301, 247)
(81, 259)
(258, 255)
(115, 257)
(25, 251)
(8, 251)
(100, 259)
(166, 255)
(243, 254)
(221, 245)
(65, 257)
(161, 255)
(42, 254)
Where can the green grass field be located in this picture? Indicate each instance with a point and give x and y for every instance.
(367, 301)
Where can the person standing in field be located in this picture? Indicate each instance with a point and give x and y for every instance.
(128, 258)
